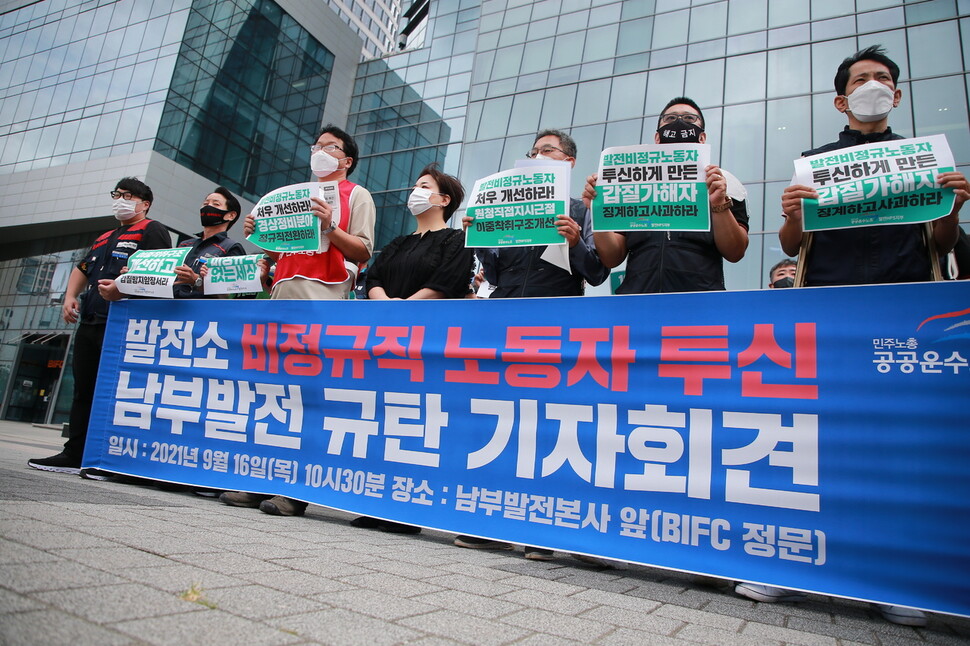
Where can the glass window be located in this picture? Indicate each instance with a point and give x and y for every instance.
(828, 9)
(557, 107)
(827, 122)
(518, 16)
(513, 35)
(589, 106)
(940, 107)
(826, 58)
(526, 109)
(639, 9)
(788, 71)
(744, 79)
(537, 55)
(708, 21)
(788, 36)
(627, 97)
(606, 15)
(670, 29)
(507, 62)
(663, 85)
(569, 49)
(495, 118)
(624, 133)
(787, 12)
(546, 9)
(600, 43)
(747, 15)
(895, 44)
(738, 154)
(745, 274)
(834, 28)
(931, 10)
(786, 135)
(925, 46)
(704, 82)
(634, 36)
(573, 22)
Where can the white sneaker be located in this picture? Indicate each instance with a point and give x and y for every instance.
(767, 594)
(903, 616)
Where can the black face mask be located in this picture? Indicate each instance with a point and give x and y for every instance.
(680, 132)
(212, 216)
(787, 281)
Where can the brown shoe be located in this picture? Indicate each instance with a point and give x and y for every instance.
(280, 506)
(242, 499)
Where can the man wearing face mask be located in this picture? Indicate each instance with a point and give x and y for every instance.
(782, 274)
(218, 213)
(680, 261)
(521, 271)
(865, 84)
(84, 305)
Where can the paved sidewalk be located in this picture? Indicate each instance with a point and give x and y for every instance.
(85, 562)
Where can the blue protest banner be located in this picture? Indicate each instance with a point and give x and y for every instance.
(814, 439)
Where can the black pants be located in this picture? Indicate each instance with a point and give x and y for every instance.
(88, 340)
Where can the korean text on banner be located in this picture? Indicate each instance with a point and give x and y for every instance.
(518, 207)
(890, 182)
(285, 221)
(744, 435)
(655, 187)
(152, 272)
(232, 275)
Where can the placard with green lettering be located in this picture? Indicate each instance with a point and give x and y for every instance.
(152, 272)
(232, 275)
(285, 221)
(518, 207)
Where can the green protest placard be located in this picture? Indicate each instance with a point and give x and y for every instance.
(285, 221)
(889, 182)
(152, 272)
(232, 275)
(518, 207)
(652, 187)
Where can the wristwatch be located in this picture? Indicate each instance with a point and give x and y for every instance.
(198, 282)
(329, 229)
(723, 207)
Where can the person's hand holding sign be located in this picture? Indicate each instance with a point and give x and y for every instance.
(325, 214)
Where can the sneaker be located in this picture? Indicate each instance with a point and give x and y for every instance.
(208, 493)
(96, 474)
(767, 593)
(595, 561)
(903, 616)
(538, 554)
(475, 543)
(367, 522)
(60, 463)
(281, 506)
(242, 499)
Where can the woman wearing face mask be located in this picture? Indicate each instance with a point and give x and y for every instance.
(432, 262)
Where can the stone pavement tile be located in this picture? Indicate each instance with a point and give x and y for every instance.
(55, 627)
(599, 580)
(475, 605)
(346, 556)
(178, 577)
(649, 623)
(227, 563)
(105, 604)
(163, 544)
(397, 568)
(259, 602)
(669, 593)
(53, 575)
(617, 600)
(556, 587)
(702, 617)
(294, 582)
(320, 565)
(709, 636)
(470, 584)
(380, 605)
(764, 613)
(16, 552)
(537, 598)
(959, 635)
(115, 559)
(10, 601)
(46, 538)
(394, 584)
(860, 634)
(205, 627)
(550, 570)
(477, 571)
(345, 628)
(461, 627)
(630, 637)
(788, 635)
(545, 640)
(581, 628)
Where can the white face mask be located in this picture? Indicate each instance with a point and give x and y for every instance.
(123, 209)
(420, 200)
(871, 101)
(323, 164)
(541, 156)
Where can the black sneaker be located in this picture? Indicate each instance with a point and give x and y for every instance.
(538, 554)
(60, 463)
(96, 474)
(475, 543)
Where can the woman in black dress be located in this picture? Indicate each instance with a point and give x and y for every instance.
(432, 262)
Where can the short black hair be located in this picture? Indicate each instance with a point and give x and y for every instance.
(566, 143)
(231, 203)
(136, 187)
(447, 184)
(787, 262)
(349, 145)
(874, 53)
(681, 100)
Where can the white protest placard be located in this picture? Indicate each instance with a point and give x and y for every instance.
(232, 275)
(152, 272)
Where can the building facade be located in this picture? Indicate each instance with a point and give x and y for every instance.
(186, 94)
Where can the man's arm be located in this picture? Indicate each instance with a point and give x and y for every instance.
(945, 230)
(76, 283)
(730, 237)
(610, 246)
(792, 228)
(357, 243)
(582, 256)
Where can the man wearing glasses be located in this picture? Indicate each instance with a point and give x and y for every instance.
(521, 271)
(84, 305)
(681, 261)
